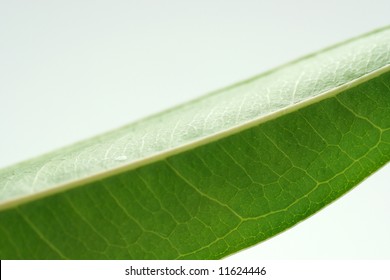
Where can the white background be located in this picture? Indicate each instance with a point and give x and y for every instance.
(73, 69)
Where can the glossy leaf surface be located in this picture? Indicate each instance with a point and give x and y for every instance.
(214, 175)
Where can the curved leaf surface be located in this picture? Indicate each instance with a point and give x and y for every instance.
(214, 175)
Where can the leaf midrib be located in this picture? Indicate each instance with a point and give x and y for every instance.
(196, 143)
(368, 70)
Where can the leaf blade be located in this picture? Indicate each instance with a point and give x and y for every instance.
(280, 161)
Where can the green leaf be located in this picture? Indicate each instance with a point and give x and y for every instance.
(214, 175)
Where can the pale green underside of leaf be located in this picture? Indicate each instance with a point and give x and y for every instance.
(214, 175)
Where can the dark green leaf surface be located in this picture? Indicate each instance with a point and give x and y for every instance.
(213, 176)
